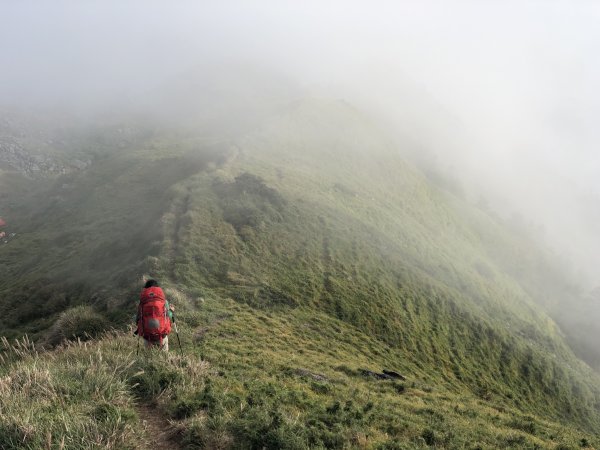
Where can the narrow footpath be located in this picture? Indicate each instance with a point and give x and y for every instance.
(159, 433)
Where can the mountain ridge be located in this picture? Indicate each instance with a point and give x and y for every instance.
(314, 214)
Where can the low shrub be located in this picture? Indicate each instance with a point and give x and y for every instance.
(80, 322)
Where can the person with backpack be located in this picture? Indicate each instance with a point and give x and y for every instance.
(154, 317)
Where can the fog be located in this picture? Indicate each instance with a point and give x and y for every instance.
(502, 95)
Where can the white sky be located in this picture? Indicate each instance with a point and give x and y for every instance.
(505, 92)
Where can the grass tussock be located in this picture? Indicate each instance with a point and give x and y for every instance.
(80, 322)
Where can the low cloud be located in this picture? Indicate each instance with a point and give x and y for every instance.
(501, 94)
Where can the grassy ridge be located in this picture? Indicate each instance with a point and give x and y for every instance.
(306, 254)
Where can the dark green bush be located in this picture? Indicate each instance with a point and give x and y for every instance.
(107, 412)
(525, 424)
(428, 436)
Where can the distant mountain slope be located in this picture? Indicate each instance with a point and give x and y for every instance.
(313, 214)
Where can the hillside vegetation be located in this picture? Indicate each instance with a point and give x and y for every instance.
(304, 258)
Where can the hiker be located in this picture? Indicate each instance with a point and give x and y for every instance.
(154, 317)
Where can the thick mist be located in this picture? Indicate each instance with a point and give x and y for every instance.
(501, 96)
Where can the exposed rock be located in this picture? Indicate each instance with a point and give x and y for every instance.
(308, 374)
(385, 375)
(14, 155)
(80, 165)
(394, 375)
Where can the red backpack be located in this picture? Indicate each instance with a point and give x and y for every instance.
(153, 322)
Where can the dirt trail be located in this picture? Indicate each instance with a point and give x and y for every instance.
(159, 433)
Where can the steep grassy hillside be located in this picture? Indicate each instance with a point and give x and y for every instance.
(299, 255)
(343, 225)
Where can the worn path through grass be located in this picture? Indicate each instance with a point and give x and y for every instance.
(159, 432)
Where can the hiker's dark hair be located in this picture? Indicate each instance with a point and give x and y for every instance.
(151, 283)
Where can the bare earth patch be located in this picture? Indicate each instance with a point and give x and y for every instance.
(160, 434)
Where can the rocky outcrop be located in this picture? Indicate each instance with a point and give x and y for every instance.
(16, 157)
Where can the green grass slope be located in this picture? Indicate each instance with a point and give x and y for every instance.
(254, 379)
(298, 255)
